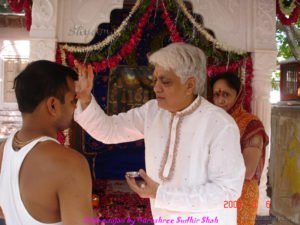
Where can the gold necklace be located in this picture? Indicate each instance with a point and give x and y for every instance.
(18, 143)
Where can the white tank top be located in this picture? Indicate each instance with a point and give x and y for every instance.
(11, 203)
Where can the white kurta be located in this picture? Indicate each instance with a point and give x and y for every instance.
(202, 152)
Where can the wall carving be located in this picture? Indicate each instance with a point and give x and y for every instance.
(265, 25)
(44, 18)
(79, 19)
(228, 19)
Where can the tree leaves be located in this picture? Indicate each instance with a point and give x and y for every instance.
(288, 40)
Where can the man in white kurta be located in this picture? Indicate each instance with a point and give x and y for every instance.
(193, 155)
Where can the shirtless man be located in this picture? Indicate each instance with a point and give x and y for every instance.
(42, 181)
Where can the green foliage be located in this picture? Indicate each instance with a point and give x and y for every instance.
(287, 3)
(4, 7)
(118, 43)
(184, 27)
(284, 50)
(275, 80)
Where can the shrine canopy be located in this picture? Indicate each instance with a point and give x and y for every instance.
(118, 54)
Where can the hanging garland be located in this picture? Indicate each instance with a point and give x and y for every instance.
(287, 7)
(291, 10)
(17, 6)
(101, 54)
(121, 46)
(212, 70)
(109, 39)
(175, 37)
(207, 35)
(191, 35)
(248, 84)
(64, 56)
(127, 48)
(99, 46)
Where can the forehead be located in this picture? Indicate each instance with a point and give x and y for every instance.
(159, 71)
(71, 84)
(221, 84)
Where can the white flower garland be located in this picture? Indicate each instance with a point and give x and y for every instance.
(63, 56)
(207, 35)
(109, 39)
(287, 10)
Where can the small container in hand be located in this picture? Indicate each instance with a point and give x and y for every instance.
(133, 174)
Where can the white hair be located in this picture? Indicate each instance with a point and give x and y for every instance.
(185, 60)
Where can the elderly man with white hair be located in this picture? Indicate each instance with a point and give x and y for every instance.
(192, 148)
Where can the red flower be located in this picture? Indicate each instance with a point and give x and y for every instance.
(70, 59)
(139, 33)
(58, 56)
(126, 49)
(142, 23)
(18, 5)
(61, 137)
(100, 66)
(27, 10)
(113, 62)
(292, 18)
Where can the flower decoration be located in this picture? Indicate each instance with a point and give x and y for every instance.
(287, 8)
(18, 6)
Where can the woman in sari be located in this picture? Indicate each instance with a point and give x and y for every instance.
(228, 93)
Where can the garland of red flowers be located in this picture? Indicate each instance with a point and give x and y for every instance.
(232, 67)
(18, 5)
(213, 70)
(175, 37)
(126, 49)
(292, 18)
(248, 84)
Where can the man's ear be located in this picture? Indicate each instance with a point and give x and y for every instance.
(52, 105)
(190, 85)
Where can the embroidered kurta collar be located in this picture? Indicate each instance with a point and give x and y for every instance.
(191, 108)
(168, 162)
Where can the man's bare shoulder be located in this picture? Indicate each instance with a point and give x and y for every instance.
(59, 158)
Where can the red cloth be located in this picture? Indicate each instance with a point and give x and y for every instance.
(120, 205)
(249, 125)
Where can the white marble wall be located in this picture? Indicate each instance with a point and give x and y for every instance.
(264, 63)
(82, 17)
